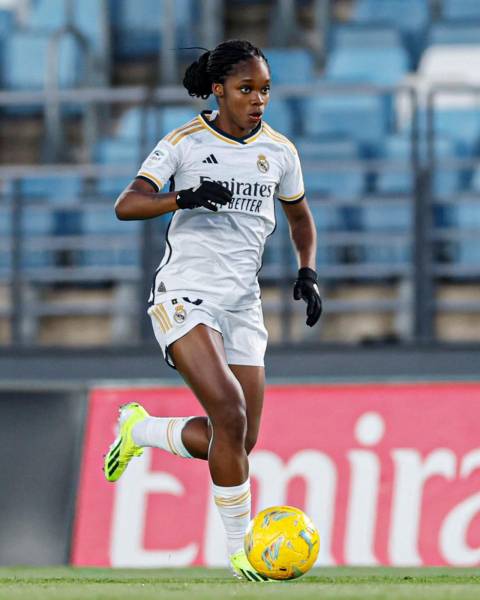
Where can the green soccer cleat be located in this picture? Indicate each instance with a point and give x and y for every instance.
(124, 448)
(242, 569)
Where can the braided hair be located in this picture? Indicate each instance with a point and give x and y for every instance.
(214, 66)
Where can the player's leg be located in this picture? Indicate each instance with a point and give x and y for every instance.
(200, 359)
(196, 432)
(252, 380)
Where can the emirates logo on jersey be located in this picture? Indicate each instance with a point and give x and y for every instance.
(262, 163)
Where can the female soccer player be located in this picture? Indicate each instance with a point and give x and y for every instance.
(225, 167)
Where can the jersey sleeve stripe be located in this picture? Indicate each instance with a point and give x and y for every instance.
(185, 133)
(295, 198)
(151, 178)
(173, 133)
(220, 137)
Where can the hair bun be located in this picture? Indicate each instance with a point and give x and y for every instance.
(196, 80)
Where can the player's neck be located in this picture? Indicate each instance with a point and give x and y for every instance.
(228, 126)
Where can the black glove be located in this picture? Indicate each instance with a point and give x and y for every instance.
(306, 287)
(206, 194)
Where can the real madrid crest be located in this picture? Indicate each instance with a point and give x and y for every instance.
(180, 313)
(262, 163)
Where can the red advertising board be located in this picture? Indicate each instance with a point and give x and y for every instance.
(390, 473)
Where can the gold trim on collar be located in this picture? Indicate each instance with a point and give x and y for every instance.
(204, 121)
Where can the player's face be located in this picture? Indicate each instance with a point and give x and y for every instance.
(245, 95)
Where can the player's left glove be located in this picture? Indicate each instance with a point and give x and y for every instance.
(306, 287)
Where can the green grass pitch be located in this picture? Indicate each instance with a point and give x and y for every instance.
(55, 583)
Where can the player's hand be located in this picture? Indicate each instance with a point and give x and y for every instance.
(306, 287)
(207, 194)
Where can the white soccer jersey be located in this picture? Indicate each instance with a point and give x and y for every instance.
(217, 255)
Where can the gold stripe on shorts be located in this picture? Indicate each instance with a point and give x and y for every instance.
(162, 317)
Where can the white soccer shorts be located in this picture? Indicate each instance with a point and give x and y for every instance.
(244, 334)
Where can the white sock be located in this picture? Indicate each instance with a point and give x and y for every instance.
(162, 432)
(234, 505)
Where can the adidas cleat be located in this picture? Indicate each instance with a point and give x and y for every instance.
(242, 569)
(124, 448)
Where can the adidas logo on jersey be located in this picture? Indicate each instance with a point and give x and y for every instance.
(210, 159)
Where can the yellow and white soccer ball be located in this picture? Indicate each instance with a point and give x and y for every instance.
(282, 542)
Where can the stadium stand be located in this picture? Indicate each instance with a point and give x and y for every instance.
(460, 9)
(290, 65)
(135, 36)
(355, 144)
(25, 61)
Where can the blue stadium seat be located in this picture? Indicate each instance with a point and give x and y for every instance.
(128, 146)
(111, 187)
(333, 149)
(136, 26)
(176, 116)
(327, 218)
(387, 216)
(134, 121)
(382, 254)
(7, 22)
(365, 36)
(361, 118)
(102, 222)
(25, 61)
(89, 17)
(400, 180)
(57, 190)
(396, 181)
(407, 15)
(279, 116)
(328, 182)
(47, 15)
(113, 151)
(136, 133)
(454, 33)
(465, 214)
(461, 9)
(461, 125)
(387, 66)
(290, 65)
(5, 250)
(410, 17)
(475, 184)
(36, 221)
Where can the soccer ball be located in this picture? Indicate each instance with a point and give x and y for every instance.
(282, 542)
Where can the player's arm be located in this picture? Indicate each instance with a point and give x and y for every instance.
(140, 200)
(302, 232)
(304, 238)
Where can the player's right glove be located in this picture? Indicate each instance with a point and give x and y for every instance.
(207, 194)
